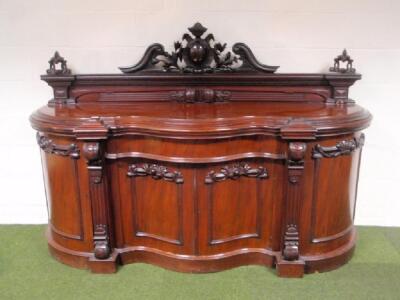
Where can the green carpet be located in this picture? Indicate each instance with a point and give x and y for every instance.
(28, 272)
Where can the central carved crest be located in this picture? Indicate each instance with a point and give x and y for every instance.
(198, 54)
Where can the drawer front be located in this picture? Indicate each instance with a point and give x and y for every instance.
(195, 151)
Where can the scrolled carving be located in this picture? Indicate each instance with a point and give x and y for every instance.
(48, 146)
(291, 243)
(156, 172)
(200, 95)
(342, 148)
(235, 171)
(249, 61)
(54, 61)
(197, 54)
(345, 58)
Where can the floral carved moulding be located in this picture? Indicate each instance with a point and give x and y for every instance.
(198, 54)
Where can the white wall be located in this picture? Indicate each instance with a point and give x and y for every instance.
(99, 35)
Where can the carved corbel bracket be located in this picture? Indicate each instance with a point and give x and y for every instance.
(93, 153)
(60, 79)
(92, 133)
(296, 155)
(290, 264)
(296, 162)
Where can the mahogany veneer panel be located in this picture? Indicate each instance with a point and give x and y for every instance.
(65, 213)
(203, 166)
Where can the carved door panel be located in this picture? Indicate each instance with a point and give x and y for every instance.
(239, 205)
(335, 176)
(60, 158)
(156, 205)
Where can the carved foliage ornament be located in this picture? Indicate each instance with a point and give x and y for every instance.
(198, 54)
(235, 171)
(54, 61)
(345, 58)
(48, 146)
(200, 95)
(342, 148)
(155, 171)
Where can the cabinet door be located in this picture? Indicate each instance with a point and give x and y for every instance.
(240, 205)
(156, 205)
(335, 176)
(62, 189)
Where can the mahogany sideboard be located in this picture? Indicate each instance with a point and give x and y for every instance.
(201, 159)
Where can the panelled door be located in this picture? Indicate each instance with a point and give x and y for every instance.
(239, 205)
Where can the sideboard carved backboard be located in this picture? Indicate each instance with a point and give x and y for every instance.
(201, 159)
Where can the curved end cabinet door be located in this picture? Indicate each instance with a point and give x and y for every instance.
(67, 206)
(335, 168)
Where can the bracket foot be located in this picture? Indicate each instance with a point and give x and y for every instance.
(105, 266)
(290, 269)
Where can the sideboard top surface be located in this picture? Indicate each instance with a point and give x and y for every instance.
(199, 119)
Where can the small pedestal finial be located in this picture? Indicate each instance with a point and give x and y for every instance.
(54, 61)
(344, 57)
